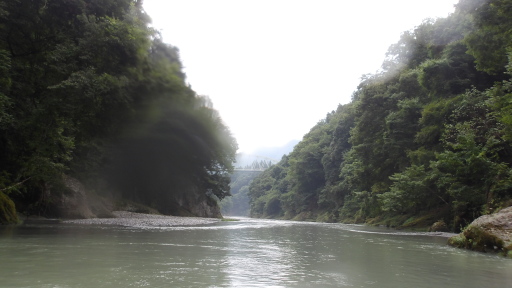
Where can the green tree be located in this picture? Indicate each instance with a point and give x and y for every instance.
(428, 133)
(80, 77)
(491, 41)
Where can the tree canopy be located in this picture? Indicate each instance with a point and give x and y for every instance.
(89, 89)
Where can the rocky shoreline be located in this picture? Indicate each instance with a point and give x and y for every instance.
(488, 233)
(132, 219)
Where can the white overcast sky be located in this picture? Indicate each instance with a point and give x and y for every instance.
(274, 68)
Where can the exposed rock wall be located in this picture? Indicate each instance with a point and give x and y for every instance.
(206, 207)
(79, 203)
(194, 204)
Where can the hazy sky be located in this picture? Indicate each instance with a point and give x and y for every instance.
(274, 68)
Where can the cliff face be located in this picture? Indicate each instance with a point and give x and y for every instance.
(488, 233)
(192, 203)
(80, 203)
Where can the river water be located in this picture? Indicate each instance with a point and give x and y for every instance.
(245, 253)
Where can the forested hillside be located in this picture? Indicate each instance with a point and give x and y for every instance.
(426, 139)
(238, 203)
(89, 90)
(247, 167)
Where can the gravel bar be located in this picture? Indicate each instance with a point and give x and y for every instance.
(131, 219)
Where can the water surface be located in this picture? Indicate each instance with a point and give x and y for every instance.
(246, 253)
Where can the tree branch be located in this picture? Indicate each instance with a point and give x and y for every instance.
(16, 184)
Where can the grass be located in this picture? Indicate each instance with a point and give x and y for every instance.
(229, 219)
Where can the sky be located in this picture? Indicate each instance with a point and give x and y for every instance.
(275, 68)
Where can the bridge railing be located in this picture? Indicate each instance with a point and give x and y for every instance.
(250, 170)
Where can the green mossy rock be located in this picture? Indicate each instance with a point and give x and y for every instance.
(439, 226)
(488, 233)
(7, 210)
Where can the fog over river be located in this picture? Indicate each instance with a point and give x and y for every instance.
(245, 253)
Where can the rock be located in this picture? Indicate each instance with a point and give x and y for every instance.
(73, 203)
(488, 233)
(439, 226)
(78, 203)
(101, 207)
(206, 207)
(194, 204)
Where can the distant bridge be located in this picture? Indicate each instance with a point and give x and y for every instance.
(249, 170)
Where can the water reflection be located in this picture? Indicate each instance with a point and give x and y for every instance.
(247, 253)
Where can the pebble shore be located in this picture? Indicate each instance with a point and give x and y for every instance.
(131, 219)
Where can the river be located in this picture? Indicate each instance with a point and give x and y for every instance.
(245, 253)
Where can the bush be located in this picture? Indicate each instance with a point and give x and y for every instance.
(7, 210)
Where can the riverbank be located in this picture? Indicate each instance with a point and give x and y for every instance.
(132, 219)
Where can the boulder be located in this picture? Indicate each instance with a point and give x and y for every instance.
(488, 233)
(78, 203)
(439, 226)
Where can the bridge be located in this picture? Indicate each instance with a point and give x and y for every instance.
(249, 170)
(253, 163)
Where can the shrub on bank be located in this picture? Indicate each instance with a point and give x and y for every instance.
(7, 210)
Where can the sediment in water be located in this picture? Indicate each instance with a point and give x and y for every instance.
(132, 219)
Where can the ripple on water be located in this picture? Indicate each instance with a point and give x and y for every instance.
(246, 253)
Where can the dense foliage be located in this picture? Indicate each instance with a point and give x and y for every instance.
(427, 138)
(238, 203)
(88, 89)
